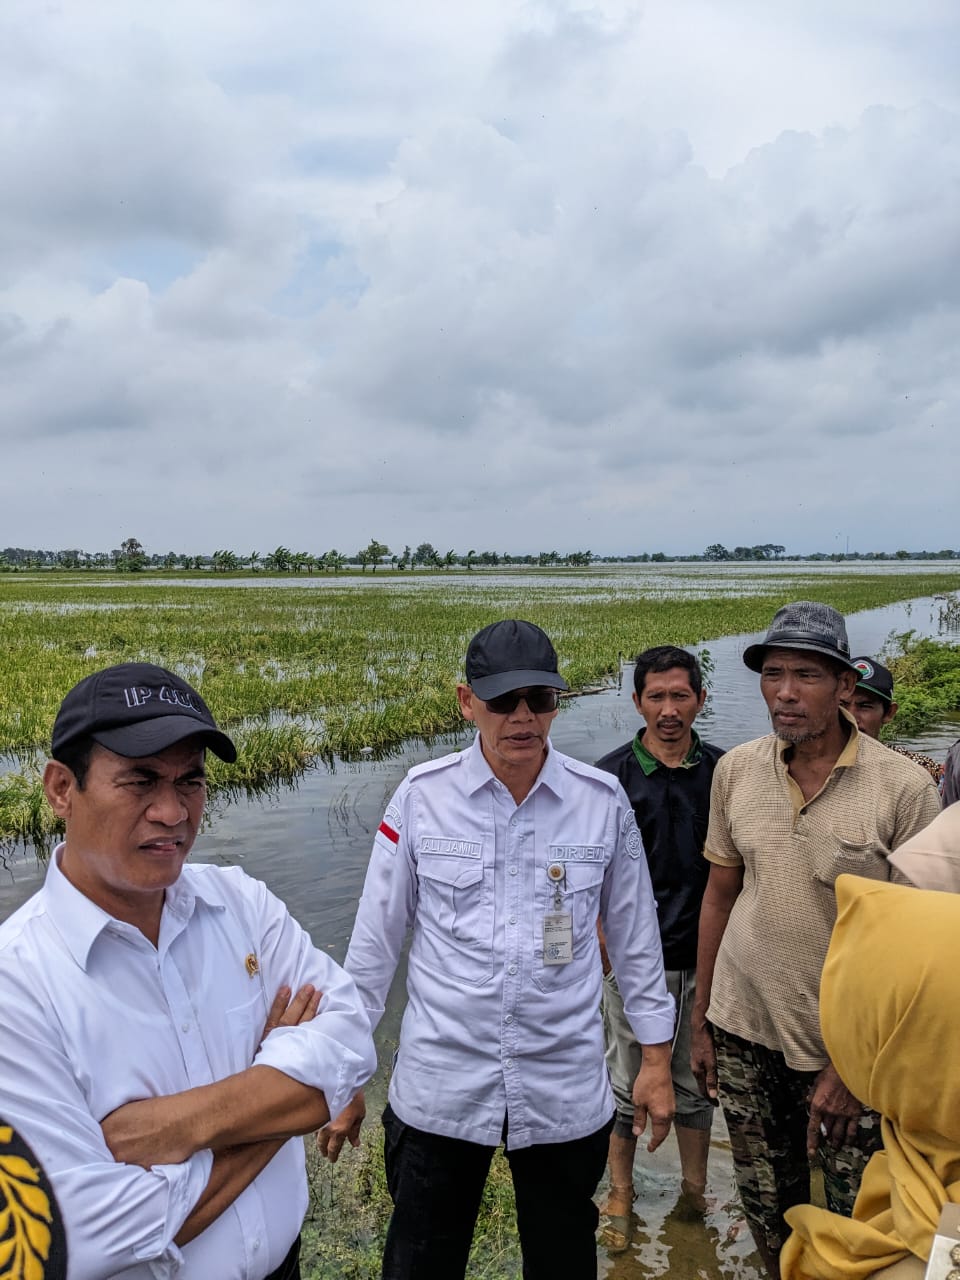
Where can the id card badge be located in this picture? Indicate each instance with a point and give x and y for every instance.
(944, 1261)
(558, 938)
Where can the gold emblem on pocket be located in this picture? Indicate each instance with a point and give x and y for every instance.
(252, 965)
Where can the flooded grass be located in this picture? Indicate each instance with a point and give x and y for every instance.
(302, 676)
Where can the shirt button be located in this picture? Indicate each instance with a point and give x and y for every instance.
(256, 1244)
(512, 920)
(184, 1026)
(513, 871)
(512, 969)
(508, 1063)
(508, 1018)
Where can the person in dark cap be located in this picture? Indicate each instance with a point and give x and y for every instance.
(789, 812)
(169, 1029)
(501, 858)
(872, 706)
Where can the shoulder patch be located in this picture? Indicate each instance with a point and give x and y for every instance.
(630, 834)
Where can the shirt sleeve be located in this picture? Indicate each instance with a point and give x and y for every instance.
(628, 912)
(917, 809)
(719, 847)
(334, 1052)
(116, 1215)
(387, 907)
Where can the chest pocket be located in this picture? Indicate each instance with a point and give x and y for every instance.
(580, 896)
(857, 856)
(456, 907)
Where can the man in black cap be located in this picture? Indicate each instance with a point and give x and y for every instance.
(153, 1052)
(501, 858)
(789, 812)
(872, 706)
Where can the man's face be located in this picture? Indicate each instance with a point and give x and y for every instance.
(669, 704)
(803, 693)
(131, 826)
(516, 739)
(870, 711)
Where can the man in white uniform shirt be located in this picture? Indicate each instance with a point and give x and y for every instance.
(501, 858)
(168, 1030)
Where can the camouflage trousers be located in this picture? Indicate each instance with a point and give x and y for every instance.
(765, 1105)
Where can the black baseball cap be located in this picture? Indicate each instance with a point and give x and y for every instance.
(874, 678)
(511, 655)
(137, 709)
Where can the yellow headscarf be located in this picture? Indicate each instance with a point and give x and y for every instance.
(890, 1014)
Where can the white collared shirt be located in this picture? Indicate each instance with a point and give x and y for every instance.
(94, 1016)
(489, 1030)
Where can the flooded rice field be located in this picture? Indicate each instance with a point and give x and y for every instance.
(310, 844)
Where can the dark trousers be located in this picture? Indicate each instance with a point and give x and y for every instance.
(436, 1184)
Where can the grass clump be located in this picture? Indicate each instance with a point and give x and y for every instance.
(346, 1224)
(926, 675)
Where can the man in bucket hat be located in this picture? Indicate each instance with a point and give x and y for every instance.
(153, 1051)
(789, 812)
(501, 858)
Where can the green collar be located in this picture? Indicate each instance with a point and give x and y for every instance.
(650, 764)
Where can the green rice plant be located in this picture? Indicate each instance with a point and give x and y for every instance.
(346, 1223)
(926, 676)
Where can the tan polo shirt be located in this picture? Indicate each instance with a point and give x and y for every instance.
(766, 982)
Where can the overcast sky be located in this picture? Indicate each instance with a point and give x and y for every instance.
(517, 276)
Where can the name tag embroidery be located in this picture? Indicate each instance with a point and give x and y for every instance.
(451, 846)
(576, 853)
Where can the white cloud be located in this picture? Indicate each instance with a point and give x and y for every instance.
(498, 276)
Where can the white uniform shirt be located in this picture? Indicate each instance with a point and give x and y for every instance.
(94, 1016)
(489, 1029)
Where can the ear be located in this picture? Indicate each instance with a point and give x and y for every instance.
(59, 785)
(636, 700)
(846, 683)
(701, 700)
(465, 696)
(891, 712)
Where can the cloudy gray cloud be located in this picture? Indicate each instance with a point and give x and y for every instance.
(612, 276)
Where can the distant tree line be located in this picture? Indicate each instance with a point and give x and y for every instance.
(130, 557)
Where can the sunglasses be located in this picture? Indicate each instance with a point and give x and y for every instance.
(539, 700)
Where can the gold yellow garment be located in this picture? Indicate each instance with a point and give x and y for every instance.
(890, 1013)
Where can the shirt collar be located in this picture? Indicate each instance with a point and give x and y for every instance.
(79, 920)
(479, 773)
(649, 762)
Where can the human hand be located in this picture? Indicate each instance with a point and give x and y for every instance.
(346, 1125)
(834, 1112)
(287, 1012)
(653, 1095)
(703, 1059)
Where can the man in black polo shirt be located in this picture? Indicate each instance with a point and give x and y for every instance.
(666, 771)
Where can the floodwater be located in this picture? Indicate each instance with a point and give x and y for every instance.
(310, 844)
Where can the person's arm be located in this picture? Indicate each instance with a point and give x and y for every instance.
(117, 1216)
(386, 909)
(259, 1105)
(723, 889)
(628, 920)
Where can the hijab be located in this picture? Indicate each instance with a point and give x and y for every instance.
(891, 1023)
